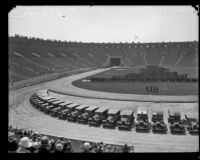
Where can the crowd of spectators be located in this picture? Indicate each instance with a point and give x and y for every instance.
(28, 141)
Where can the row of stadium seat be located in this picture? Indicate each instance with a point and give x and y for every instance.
(48, 57)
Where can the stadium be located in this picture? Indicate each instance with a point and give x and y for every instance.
(132, 89)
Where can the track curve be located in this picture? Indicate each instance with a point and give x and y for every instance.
(66, 87)
(23, 115)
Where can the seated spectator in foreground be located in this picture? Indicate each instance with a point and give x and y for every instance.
(131, 149)
(67, 147)
(108, 149)
(44, 146)
(52, 145)
(59, 148)
(116, 150)
(97, 148)
(24, 145)
(86, 148)
(125, 149)
(34, 147)
(12, 145)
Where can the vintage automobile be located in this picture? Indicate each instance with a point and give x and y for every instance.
(174, 117)
(142, 123)
(48, 109)
(191, 124)
(111, 120)
(176, 124)
(55, 105)
(78, 111)
(88, 112)
(60, 107)
(126, 120)
(46, 98)
(43, 106)
(40, 97)
(33, 99)
(38, 104)
(55, 110)
(34, 102)
(69, 108)
(50, 101)
(158, 122)
(99, 115)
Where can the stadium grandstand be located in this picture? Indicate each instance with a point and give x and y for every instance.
(32, 57)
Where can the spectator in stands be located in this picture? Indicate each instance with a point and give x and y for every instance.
(98, 148)
(109, 149)
(118, 150)
(125, 149)
(24, 145)
(52, 145)
(44, 146)
(67, 147)
(34, 147)
(59, 148)
(86, 147)
(12, 145)
(131, 149)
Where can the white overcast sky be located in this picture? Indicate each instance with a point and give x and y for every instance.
(106, 23)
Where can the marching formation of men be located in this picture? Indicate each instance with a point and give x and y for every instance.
(124, 79)
(148, 74)
(152, 89)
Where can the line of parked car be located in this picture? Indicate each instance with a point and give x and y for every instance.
(111, 118)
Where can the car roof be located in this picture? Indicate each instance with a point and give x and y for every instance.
(65, 110)
(72, 105)
(157, 113)
(57, 102)
(82, 106)
(177, 113)
(42, 94)
(101, 109)
(113, 111)
(50, 106)
(91, 108)
(192, 115)
(142, 110)
(52, 100)
(126, 112)
(57, 108)
(65, 103)
(45, 104)
(47, 97)
(40, 102)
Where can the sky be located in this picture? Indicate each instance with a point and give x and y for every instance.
(105, 23)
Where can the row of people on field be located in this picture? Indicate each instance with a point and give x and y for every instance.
(152, 89)
(118, 79)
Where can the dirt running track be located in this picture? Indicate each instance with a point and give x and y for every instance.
(23, 115)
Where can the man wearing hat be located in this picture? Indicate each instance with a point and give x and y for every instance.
(86, 147)
(67, 146)
(12, 145)
(44, 145)
(24, 145)
(59, 148)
